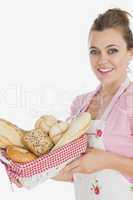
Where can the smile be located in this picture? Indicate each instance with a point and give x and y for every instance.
(105, 71)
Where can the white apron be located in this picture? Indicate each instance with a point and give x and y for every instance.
(106, 184)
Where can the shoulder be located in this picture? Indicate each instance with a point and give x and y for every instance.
(128, 99)
(129, 92)
(79, 101)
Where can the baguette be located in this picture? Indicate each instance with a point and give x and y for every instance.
(57, 131)
(10, 133)
(77, 128)
(4, 142)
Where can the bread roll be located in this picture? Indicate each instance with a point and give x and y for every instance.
(45, 123)
(77, 128)
(19, 154)
(57, 131)
(37, 141)
(11, 132)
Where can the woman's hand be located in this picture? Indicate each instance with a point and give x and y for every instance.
(64, 176)
(93, 160)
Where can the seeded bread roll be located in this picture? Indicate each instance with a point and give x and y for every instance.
(57, 131)
(37, 142)
(19, 154)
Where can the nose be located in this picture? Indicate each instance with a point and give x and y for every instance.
(103, 59)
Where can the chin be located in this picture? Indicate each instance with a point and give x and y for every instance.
(107, 81)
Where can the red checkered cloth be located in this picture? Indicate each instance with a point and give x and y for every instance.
(53, 159)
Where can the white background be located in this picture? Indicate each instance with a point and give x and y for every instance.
(44, 65)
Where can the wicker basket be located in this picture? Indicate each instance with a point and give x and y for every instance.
(49, 165)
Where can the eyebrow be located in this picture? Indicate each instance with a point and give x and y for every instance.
(108, 46)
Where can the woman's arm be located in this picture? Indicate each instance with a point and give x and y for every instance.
(123, 165)
(95, 160)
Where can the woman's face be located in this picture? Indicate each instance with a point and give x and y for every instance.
(109, 55)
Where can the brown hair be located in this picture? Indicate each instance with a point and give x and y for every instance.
(117, 19)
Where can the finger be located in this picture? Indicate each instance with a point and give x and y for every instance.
(64, 177)
(71, 165)
(89, 149)
(76, 170)
(75, 160)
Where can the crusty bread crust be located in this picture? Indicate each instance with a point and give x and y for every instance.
(56, 132)
(11, 132)
(45, 122)
(77, 128)
(4, 142)
(19, 154)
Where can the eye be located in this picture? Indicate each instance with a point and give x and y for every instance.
(112, 51)
(93, 52)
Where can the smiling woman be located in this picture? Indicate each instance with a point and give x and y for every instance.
(111, 44)
(109, 57)
(109, 155)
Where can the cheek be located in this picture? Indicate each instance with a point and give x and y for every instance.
(120, 63)
(93, 62)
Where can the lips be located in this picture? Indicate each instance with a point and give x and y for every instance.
(105, 70)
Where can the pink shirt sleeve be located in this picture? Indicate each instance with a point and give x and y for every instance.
(77, 102)
(74, 107)
(129, 105)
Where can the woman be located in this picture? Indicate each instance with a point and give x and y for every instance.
(105, 171)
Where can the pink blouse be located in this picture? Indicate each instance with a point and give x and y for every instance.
(118, 131)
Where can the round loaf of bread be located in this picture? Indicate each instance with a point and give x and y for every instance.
(45, 123)
(18, 154)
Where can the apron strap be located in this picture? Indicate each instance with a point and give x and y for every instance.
(120, 91)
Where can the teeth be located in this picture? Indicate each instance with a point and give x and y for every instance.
(105, 70)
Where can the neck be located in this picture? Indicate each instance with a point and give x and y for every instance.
(111, 89)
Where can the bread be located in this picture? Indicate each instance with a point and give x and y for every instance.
(10, 133)
(19, 154)
(45, 123)
(57, 131)
(37, 142)
(4, 142)
(77, 128)
(49, 134)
